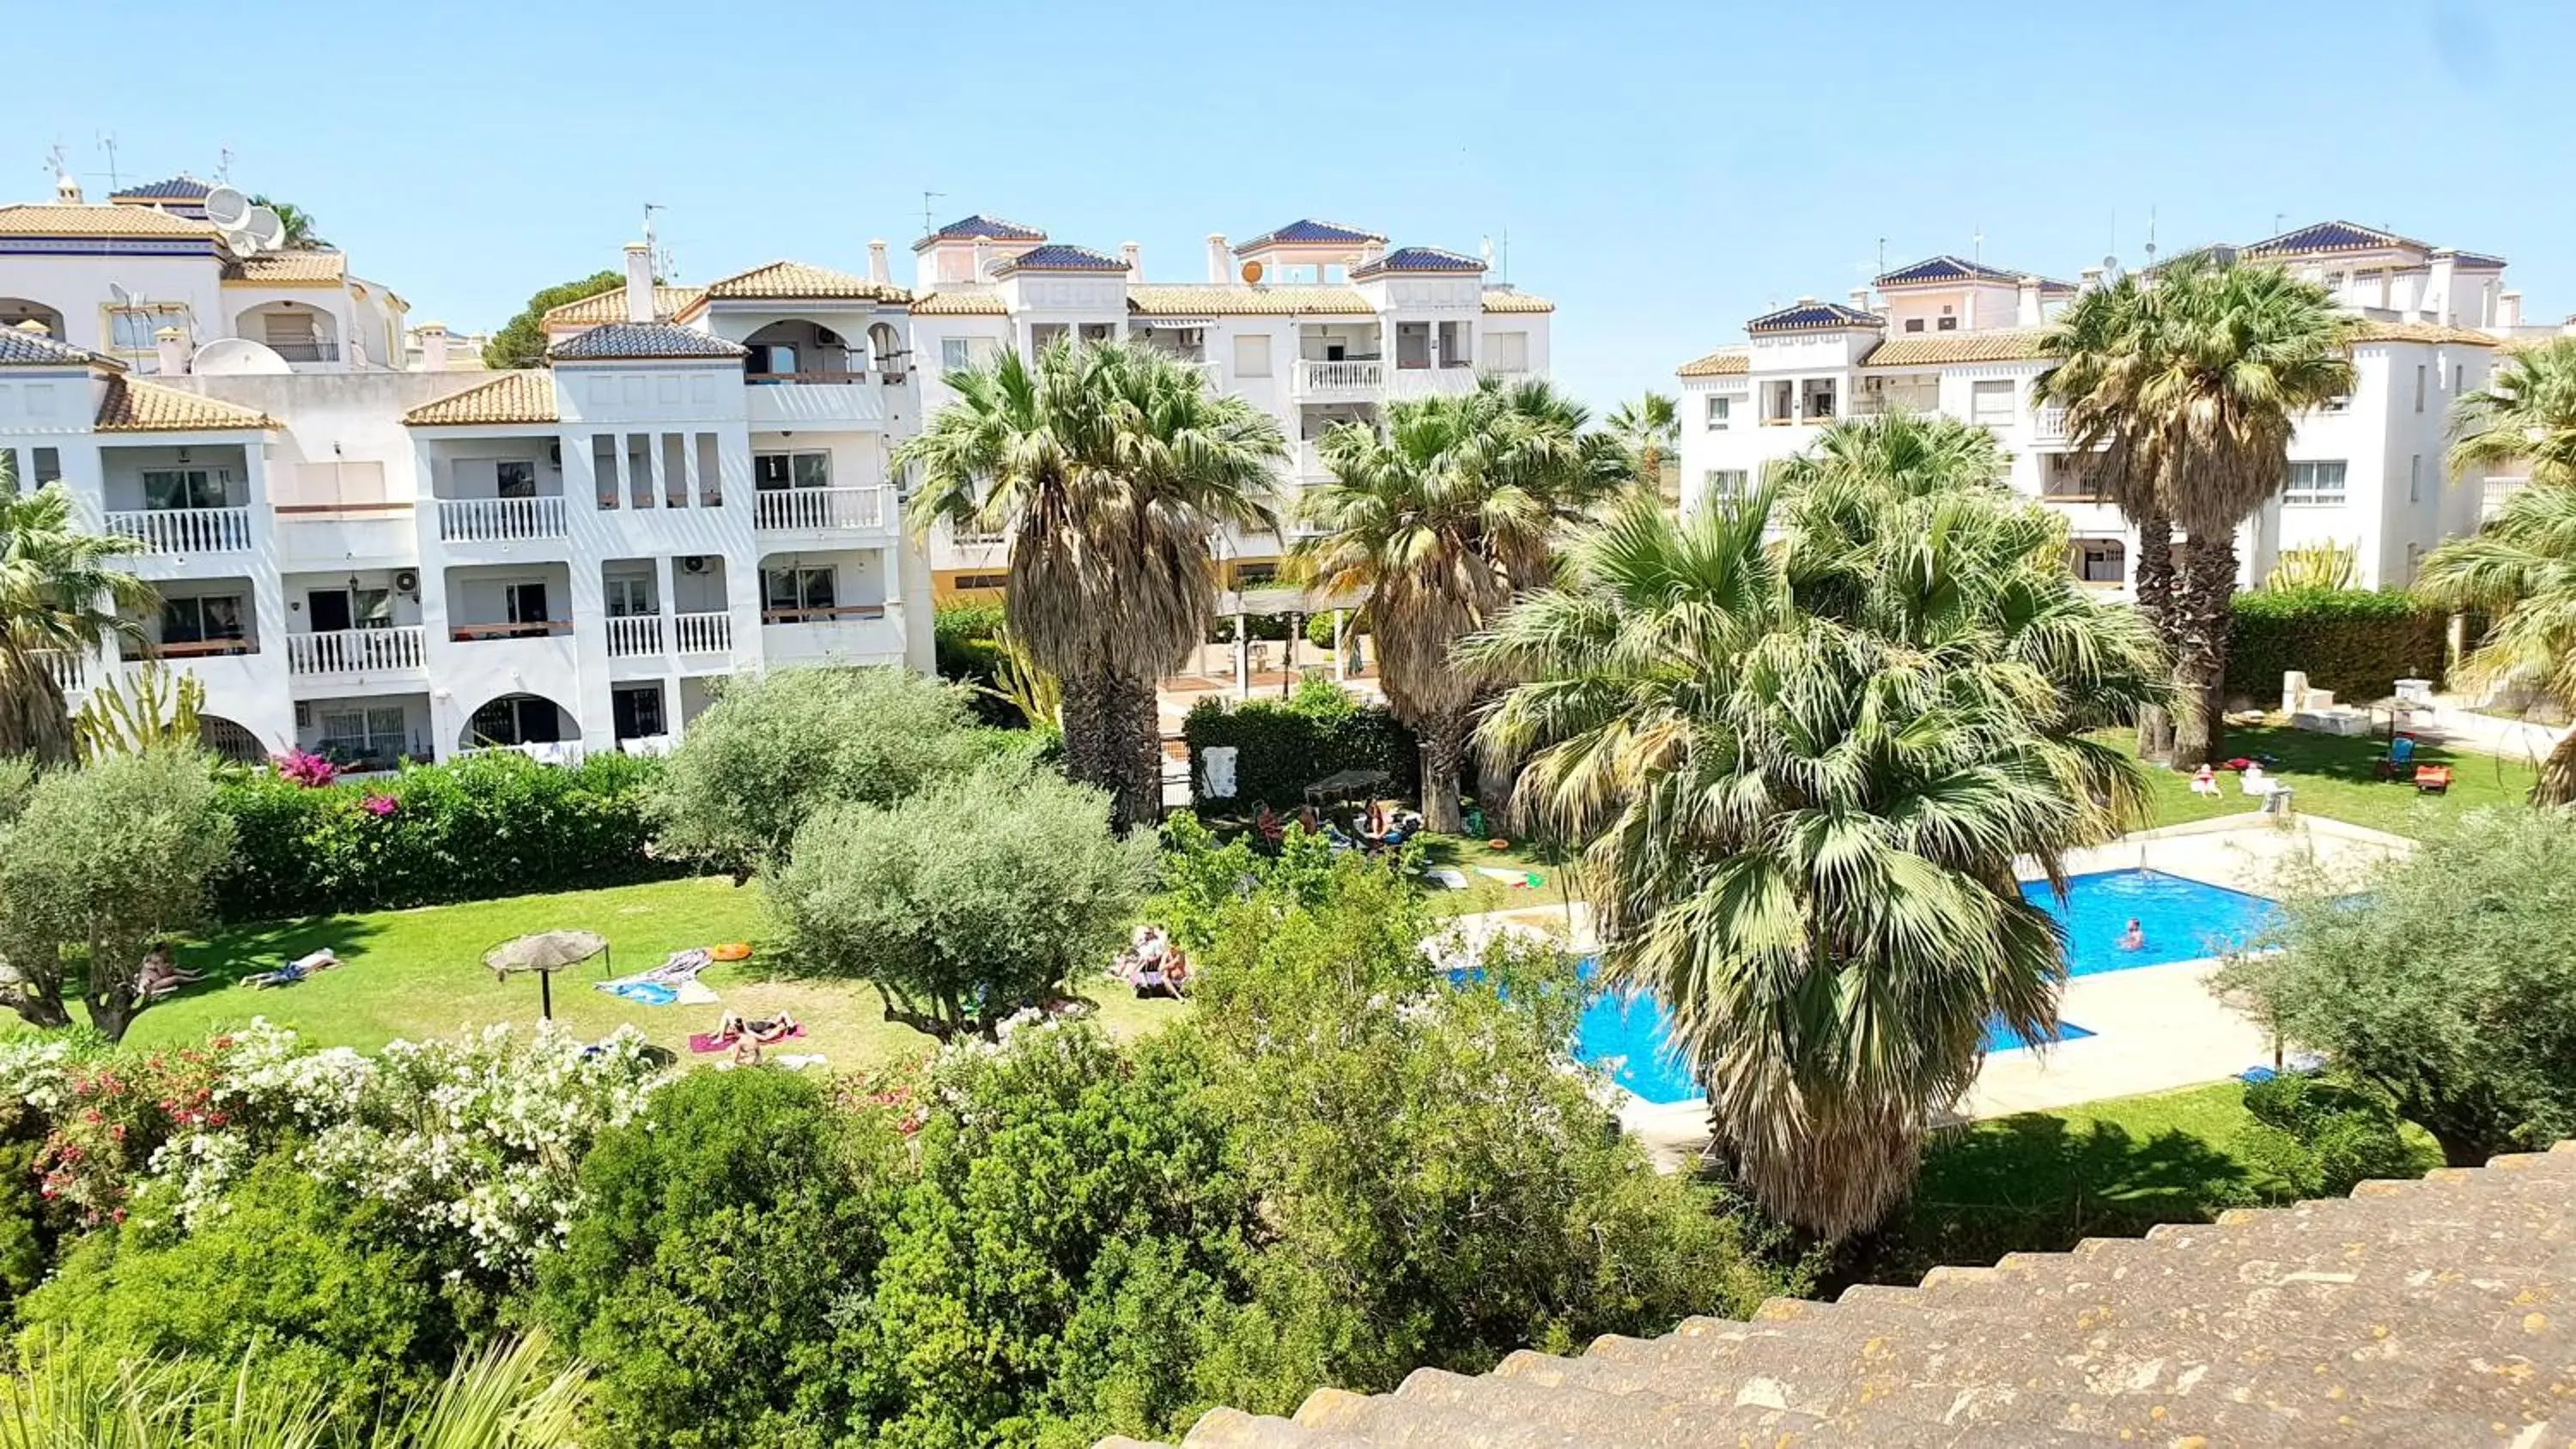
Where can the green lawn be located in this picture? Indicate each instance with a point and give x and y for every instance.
(2332, 776)
(419, 973)
(2041, 1181)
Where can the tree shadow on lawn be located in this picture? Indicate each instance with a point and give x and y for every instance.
(2038, 1184)
(233, 952)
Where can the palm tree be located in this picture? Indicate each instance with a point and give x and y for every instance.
(1648, 432)
(1807, 769)
(2192, 381)
(2521, 568)
(59, 600)
(2525, 414)
(1111, 467)
(300, 234)
(1438, 520)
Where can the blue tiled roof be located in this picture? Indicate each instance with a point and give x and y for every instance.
(2476, 259)
(982, 228)
(2331, 236)
(1808, 314)
(1307, 229)
(1946, 269)
(182, 187)
(619, 341)
(28, 349)
(1419, 259)
(1059, 257)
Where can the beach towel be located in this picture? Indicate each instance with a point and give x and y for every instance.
(642, 993)
(696, 993)
(665, 983)
(707, 1041)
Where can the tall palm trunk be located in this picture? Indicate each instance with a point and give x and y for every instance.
(1112, 739)
(2155, 589)
(2557, 782)
(1444, 755)
(34, 719)
(2202, 616)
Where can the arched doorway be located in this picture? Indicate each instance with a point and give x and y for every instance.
(230, 740)
(295, 331)
(15, 311)
(512, 720)
(800, 351)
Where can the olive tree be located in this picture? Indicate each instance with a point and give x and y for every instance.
(99, 865)
(773, 750)
(964, 903)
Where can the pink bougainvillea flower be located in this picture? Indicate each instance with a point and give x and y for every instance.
(380, 806)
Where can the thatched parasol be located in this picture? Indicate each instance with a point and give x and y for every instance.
(545, 953)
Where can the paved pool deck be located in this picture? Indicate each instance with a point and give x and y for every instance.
(2155, 1028)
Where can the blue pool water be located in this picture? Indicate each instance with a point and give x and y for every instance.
(1624, 1035)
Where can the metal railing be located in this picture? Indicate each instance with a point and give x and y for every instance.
(184, 530)
(634, 635)
(538, 629)
(702, 633)
(1340, 376)
(356, 651)
(820, 508)
(826, 378)
(314, 351)
(500, 520)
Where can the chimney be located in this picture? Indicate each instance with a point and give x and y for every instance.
(170, 345)
(983, 259)
(1369, 251)
(2090, 280)
(433, 347)
(2438, 303)
(2026, 303)
(639, 282)
(1134, 256)
(2508, 310)
(878, 271)
(1220, 261)
(1860, 299)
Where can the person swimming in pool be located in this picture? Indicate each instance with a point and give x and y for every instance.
(2135, 938)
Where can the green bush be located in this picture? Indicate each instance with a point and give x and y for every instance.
(2454, 990)
(2322, 1135)
(719, 1235)
(2356, 642)
(1281, 748)
(487, 825)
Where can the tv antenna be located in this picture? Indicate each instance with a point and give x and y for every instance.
(928, 222)
(1977, 243)
(652, 249)
(107, 143)
(2151, 237)
(224, 165)
(1882, 257)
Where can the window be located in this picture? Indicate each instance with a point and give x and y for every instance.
(2419, 387)
(770, 471)
(514, 480)
(1456, 348)
(2099, 560)
(1725, 485)
(130, 329)
(1096, 331)
(1043, 335)
(1507, 352)
(208, 619)
(954, 355)
(980, 581)
(334, 610)
(1256, 575)
(2415, 478)
(2314, 484)
(517, 719)
(636, 711)
(630, 598)
(185, 487)
(1949, 324)
(1779, 402)
(1913, 324)
(770, 357)
(1990, 404)
(1720, 411)
(796, 593)
(1816, 400)
(2459, 374)
(1252, 355)
(372, 737)
(47, 468)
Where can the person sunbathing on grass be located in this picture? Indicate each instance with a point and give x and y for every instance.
(160, 975)
(750, 1035)
(293, 971)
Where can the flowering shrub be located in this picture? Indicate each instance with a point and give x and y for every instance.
(307, 770)
(380, 806)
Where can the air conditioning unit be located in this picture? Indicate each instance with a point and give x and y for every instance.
(407, 581)
(695, 563)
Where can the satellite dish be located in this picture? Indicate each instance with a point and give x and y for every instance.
(237, 357)
(264, 228)
(226, 207)
(122, 297)
(1252, 271)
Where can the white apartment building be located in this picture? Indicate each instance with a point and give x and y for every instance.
(1954, 336)
(368, 547)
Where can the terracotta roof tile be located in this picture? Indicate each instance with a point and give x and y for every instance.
(958, 304)
(2423, 332)
(512, 397)
(131, 405)
(2000, 344)
(1229, 299)
(610, 306)
(301, 268)
(33, 219)
(1516, 302)
(1724, 362)
(798, 281)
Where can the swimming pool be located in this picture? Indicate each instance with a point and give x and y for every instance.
(1624, 1035)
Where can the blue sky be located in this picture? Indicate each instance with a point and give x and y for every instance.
(1663, 171)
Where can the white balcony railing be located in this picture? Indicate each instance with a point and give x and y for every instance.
(1340, 376)
(2496, 494)
(184, 530)
(634, 635)
(69, 671)
(355, 651)
(500, 520)
(2052, 425)
(702, 633)
(1413, 382)
(821, 508)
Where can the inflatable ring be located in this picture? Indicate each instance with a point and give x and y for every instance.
(1498, 843)
(731, 951)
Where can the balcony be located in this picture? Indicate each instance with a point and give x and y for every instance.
(793, 400)
(2496, 494)
(1354, 380)
(1406, 383)
(643, 636)
(309, 350)
(500, 520)
(183, 530)
(820, 509)
(357, 651)
(537, 629)
(2051, 426)
(849, 634)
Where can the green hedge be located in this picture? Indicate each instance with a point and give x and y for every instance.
(2356, 642)
(488, 825)
(1283, 746)
(966, 652)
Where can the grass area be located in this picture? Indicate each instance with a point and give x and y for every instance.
(1472, 858)
(2333, 777)
(2041, 1181)
(420, 973)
